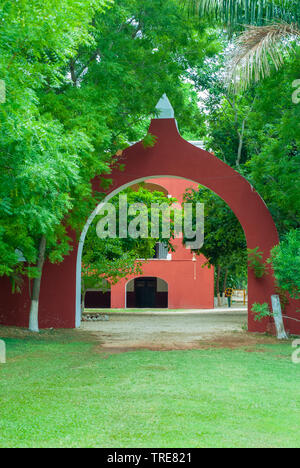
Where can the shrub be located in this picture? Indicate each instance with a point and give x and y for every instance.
(285, 259)
(261, 311)
(255, 262)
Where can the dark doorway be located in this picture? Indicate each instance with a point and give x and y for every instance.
(147, 293)
(145, 289)
(97, 300)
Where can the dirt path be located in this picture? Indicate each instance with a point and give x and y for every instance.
(165, 331)
(162, 331)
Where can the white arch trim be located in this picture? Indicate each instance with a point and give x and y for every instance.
(144, 276)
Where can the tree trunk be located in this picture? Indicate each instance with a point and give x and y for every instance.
(278, 319)
(218, 285)
(241, 142)
(34, 309)
(225, 280)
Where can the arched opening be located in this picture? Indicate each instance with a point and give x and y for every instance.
(173, 157)
(190, 284)
(147, 293)
(160, 254)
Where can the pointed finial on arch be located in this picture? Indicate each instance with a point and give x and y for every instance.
(165, 108)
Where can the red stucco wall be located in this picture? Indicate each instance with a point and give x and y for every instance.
(189, 285)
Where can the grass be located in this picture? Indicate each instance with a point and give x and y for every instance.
(59, 390)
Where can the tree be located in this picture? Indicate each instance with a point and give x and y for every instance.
(270, 156)
(81, 84)
(40, 159)
(274, 147)
(228, 113)
(110, 259)
(224, 239)
(285, 260)
(106, 262)
(140, 51)
(271, 25)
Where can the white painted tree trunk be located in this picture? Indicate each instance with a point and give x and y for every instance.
(34, 309)
(34, 317)
(277, 313)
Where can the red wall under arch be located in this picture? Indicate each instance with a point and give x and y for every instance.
(171, 156)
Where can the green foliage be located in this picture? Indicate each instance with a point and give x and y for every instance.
(256, 263)
(270, 156)
(267, 123)
(283, 296)
(107, 260)
(224, 239)
(82, 80)
(270, 29)
(285, 260)
(261, 311)
(274, 147)
(240, 12)
(115, 258)
(149, 141)
(40, 160)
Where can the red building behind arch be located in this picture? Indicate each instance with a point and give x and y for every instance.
(176, 280)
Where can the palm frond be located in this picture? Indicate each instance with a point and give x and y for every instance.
(234, 13)
(257, 49)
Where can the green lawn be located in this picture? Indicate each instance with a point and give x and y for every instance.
(64, 392)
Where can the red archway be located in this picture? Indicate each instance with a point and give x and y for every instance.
(171, 156)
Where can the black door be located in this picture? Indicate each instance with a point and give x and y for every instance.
(145, 292)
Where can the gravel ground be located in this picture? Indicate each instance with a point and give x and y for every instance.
(165, 330)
